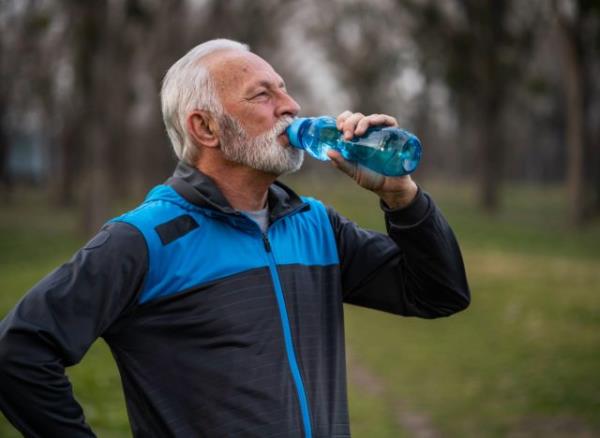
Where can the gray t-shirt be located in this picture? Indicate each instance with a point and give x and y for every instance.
(261, 217)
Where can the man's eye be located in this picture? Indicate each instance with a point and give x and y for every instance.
(261, 94)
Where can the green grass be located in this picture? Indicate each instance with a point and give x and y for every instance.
(523, 360)
(527, 346)
(525, 354)
(34, 240)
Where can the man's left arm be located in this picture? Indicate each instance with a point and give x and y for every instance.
(415, 270)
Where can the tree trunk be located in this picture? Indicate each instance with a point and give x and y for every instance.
(5, 180)
(93, 74)
(63, 180)
(491, 36)
(491, 155)
(595, 170)
(574, 85)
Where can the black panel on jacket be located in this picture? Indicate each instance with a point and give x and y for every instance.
(175, 228)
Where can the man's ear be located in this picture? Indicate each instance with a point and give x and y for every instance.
(203, 129)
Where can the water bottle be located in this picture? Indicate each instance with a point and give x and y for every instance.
(386, 150)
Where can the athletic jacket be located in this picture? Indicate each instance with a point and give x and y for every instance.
(217, 329)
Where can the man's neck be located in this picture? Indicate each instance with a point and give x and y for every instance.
(244, 188)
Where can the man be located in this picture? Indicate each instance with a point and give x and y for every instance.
(221, 295)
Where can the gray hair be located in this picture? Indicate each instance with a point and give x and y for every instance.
(188, 86)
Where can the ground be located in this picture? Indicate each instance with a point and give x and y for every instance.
(522, 361)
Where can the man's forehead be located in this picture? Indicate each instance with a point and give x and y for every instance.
(238, 68)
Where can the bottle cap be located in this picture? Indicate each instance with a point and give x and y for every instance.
(293, 132)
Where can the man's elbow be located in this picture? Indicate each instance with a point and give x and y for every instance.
(6, 363)
(461, 299)
(456, 300)
(16, 356)
(7, 358)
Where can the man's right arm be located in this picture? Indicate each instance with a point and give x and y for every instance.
(57, 321)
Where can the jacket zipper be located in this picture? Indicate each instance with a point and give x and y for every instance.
(289, 345)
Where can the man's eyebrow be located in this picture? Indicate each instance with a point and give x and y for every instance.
(266, 84)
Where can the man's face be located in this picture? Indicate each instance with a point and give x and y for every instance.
(257, 111)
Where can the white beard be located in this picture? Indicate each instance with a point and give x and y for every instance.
(262, 152)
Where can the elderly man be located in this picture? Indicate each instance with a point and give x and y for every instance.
(221, 295)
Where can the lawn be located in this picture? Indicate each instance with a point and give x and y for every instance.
(522, 361)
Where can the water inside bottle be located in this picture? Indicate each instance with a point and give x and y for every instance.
(386, 151)
(319, 139)
(389, 151)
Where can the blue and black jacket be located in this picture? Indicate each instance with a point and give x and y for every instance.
(219, 330)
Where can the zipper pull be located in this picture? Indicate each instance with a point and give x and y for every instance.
(266, 242)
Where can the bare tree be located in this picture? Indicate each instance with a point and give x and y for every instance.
(571, 18)
(92, 76)
(5, 181)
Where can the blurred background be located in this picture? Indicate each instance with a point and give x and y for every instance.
(505, 97)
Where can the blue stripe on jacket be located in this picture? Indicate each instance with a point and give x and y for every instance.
(216, 249)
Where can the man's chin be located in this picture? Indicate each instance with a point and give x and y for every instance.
(274, 156)
(293, 165)
(298, 160)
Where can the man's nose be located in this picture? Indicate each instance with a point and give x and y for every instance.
(287, 106)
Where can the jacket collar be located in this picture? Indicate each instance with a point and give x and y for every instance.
(200, 190)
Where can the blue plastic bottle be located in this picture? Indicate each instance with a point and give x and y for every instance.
(385, 150)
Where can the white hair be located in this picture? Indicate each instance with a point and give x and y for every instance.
(188, 86)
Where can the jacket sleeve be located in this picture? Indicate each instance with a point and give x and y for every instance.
(414, 270)
(57, 321)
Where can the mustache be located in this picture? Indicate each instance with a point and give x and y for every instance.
(230, 124)
(281, 125)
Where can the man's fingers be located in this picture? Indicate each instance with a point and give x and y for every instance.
(356, 124)
(349, 125)
(345, 166)
(363, 125)
(342, 118)
(374, 120)
(384, 119)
